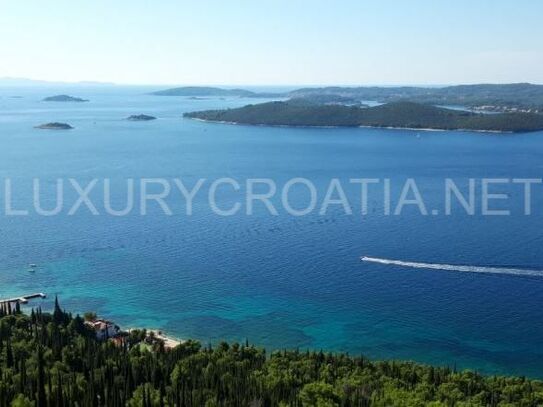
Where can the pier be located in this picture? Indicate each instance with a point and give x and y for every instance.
(24, 299)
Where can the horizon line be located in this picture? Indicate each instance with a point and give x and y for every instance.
(45, 82)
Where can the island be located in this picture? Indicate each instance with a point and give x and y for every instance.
(64, 98)
(397, 115)
(140, 118)
(54, 126)
(198, 91)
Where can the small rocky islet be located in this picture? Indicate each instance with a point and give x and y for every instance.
(66, 126)
(140, 118)
(54, 126)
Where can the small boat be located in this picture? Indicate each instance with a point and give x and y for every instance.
(33, 266)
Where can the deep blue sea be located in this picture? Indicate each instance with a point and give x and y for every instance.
(279, 281)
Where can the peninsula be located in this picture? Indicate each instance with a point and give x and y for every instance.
(396, 114)
(64, 98)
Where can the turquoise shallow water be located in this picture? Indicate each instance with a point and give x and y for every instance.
(279, 281)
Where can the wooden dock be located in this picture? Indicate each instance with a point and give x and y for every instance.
(24, 299)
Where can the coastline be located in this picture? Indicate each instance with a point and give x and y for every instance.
(126, 377)
(170, 341)
(348, 127)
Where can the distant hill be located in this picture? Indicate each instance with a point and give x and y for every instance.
(10, 81)
(63, 98)
(515, 97)
(210, 91)
(397, 114)
(324, 99)
(507, 97)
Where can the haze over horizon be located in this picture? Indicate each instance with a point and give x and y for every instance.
(18, 81)
(276, 43)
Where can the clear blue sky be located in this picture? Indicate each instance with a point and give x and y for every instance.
(279, 42)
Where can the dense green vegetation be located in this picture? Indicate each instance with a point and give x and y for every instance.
(398, 114)
(55, 360)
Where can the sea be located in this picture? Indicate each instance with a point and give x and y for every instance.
(440, 287)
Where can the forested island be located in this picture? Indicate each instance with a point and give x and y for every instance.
(194, 91)
(64, 98)
(56, 359)
(396, 114)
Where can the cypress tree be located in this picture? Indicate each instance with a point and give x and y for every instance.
(41, 400)
(58, 315)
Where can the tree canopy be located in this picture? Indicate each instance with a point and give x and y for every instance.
(56, 360)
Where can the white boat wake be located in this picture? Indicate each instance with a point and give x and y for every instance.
(453, 267)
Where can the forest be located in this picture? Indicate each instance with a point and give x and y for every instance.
(54, 359)
(301, 112)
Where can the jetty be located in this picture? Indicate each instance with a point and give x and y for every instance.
(24, 299)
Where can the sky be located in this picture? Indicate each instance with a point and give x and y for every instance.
(277, 42)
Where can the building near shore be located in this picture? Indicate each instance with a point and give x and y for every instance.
(104, 329)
